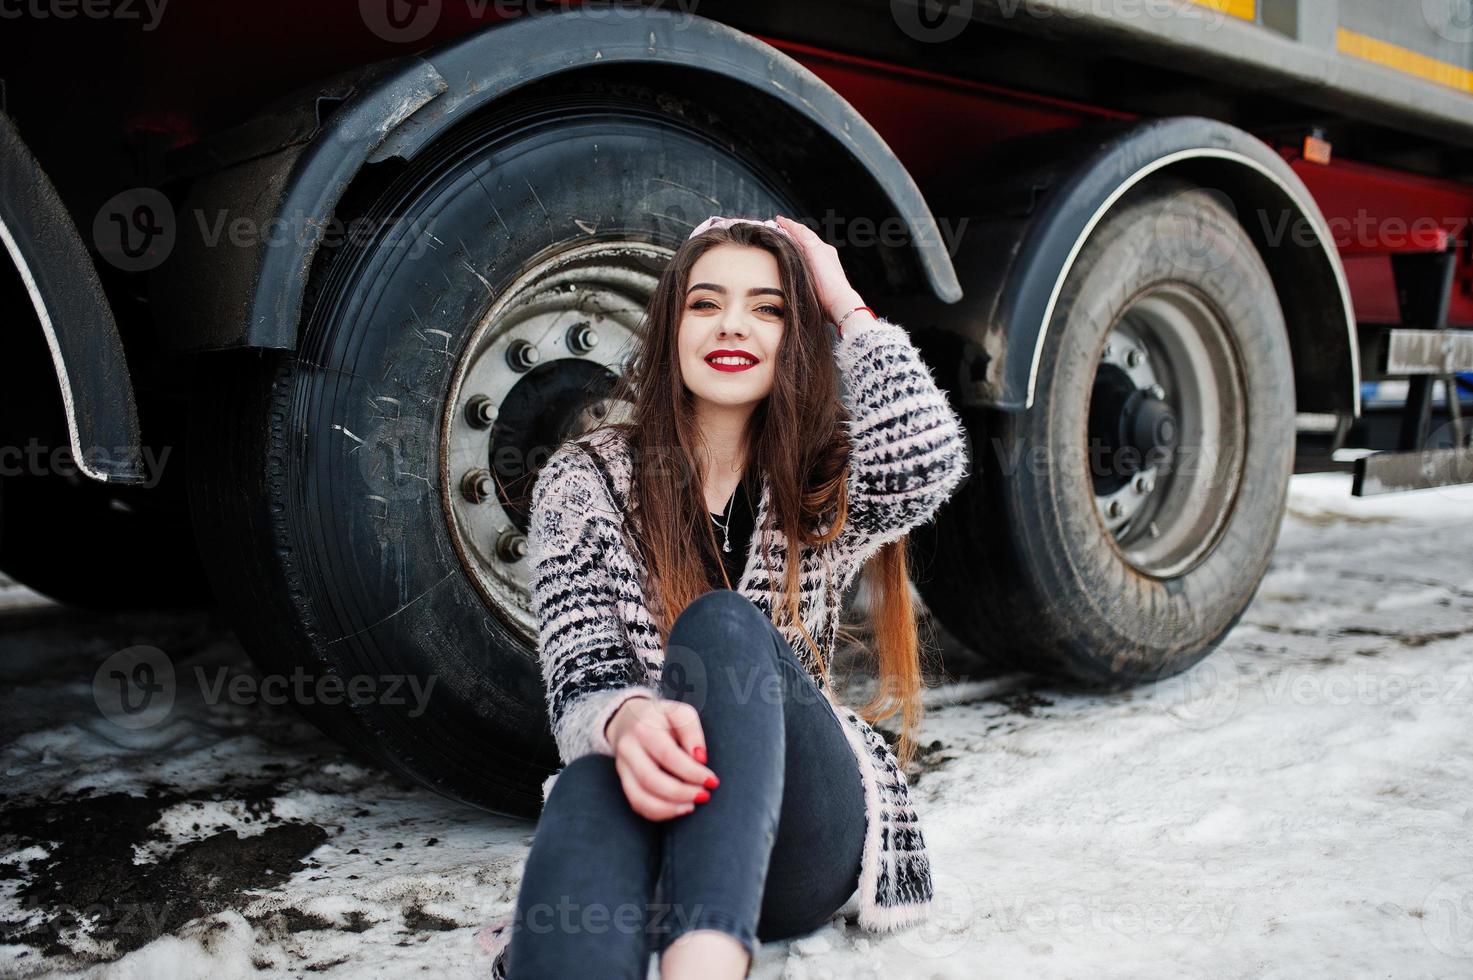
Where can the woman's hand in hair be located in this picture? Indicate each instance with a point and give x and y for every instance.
(656, 746)
(822, 259)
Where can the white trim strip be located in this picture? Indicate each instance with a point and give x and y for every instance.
(57, 361)
(1322, 234)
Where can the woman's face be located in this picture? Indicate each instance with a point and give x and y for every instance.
(734, 302)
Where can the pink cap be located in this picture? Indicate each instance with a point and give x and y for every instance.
(716, 221)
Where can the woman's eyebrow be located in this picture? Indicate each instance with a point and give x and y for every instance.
(758, 291)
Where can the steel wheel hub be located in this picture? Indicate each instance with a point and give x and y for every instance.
(540, 367)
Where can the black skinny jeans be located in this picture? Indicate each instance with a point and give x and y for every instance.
(772, 855)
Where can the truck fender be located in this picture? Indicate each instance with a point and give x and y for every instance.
(43, 245)
(1042, 196)
(290, 174)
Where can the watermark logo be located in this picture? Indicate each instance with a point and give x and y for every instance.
(135, 230)
(411, 21)
(400, 21)
(931, 21)
(134, 688)
(1447, 918)
(148, 13)
(937, 21)
(137, 688)
(1451, 19)
(1195, 230)
(1203, 696)
(1449, 436)
(947, 928)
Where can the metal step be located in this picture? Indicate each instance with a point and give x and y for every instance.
(1411, 352)
(1397, 472)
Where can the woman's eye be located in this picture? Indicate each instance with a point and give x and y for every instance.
(768, 308)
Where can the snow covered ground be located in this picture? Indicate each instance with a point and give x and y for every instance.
(1299, 804)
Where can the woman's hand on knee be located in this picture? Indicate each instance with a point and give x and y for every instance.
(656, 746)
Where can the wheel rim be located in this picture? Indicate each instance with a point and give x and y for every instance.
(1167, 431)
(540, 366)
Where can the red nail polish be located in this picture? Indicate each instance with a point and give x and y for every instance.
(702, 796)
(700, 753)
(711, 782)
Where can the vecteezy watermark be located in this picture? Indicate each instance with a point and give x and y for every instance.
(137, 688)
(411, 21)
(138, 229)
(567, 916)
(1447, 915)
(112, 919)
(148, 13)
(1207, 922)
(134, 688)
(1362, 229)
(300, 687)
(1203, 696)
(890, 231)
(1217, 688)
(1442, 468)
(949, 925)
(36, 459)
(937, 21)
(1187, 219)
(1451, 19)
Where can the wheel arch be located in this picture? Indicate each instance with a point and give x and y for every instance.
(66, 297)
(293, 174)
(1084, 174)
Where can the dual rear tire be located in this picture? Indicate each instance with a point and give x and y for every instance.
(1114, 532)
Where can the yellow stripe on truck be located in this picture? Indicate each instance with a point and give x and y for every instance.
(1242, 9)
(1402, 59)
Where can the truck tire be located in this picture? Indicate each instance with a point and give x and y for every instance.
(1070, 557)
(363, 500)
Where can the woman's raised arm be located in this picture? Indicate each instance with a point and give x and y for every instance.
(909, 448)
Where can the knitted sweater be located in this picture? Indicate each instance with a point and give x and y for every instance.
(598, 641)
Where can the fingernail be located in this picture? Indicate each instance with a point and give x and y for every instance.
(700, 753)
(702, 796)
(712, 782)
(687, 808)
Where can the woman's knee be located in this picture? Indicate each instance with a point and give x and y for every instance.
(721, 620)
(723, 649)
(581, 783)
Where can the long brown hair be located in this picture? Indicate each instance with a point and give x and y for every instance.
(796, 437)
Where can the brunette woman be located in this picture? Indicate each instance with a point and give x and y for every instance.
(689, 563)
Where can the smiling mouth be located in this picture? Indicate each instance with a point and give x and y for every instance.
(731, 362)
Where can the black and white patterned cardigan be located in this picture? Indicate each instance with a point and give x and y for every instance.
(599, 644)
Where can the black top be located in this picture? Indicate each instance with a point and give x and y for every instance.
(743, 512)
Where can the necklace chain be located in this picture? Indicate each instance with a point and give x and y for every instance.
(726, 527)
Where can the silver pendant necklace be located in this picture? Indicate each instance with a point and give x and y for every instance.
(726, 527)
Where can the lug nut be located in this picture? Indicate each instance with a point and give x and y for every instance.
(511, 546)
(1142, 485)
(1113, 509)
(480, 412)
(521, 355)
(477, 486)
(1158, 392)
(1134, 357)
(582, 338)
